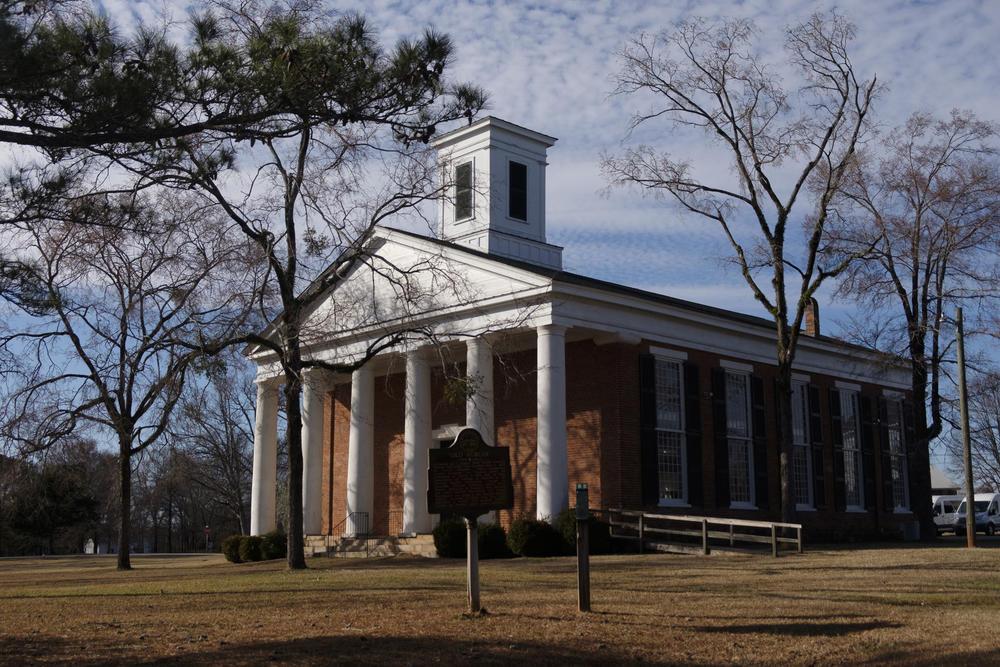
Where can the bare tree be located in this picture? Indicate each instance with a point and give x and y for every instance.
(927, 203)
(132, 305)
(984, 431)
(789, 149)
(214, 426)
(308, 187)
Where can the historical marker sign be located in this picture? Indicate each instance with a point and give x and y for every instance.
(469, 477)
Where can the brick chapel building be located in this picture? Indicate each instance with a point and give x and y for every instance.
(655, 402)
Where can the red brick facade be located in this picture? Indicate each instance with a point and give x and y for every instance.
(603, 441)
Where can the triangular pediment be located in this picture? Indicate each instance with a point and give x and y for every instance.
(409, 282)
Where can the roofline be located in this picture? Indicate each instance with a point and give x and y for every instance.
(569, 278)
(460, 133)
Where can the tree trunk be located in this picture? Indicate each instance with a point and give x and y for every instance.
(919, 459)
(293, 413)
(293, 435)
(783, 405)
(125, 497)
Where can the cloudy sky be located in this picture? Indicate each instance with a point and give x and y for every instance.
(550, 66)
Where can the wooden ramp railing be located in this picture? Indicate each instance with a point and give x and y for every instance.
(700, 534)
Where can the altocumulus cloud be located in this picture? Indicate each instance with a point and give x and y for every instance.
(550, 66)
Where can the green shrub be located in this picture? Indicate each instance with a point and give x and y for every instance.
(250, 548)
(600, 532)
(274, 545)
(532, 537)
(449, 538)
(566, 525)
(493, 541)
(231, 548)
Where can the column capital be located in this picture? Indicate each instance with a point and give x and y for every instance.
(317, 378)
(269, 383)
(421, 352)
(552, 329)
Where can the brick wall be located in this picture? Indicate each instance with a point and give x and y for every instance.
(603, 439)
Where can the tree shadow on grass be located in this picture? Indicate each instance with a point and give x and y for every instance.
(350, 649)
(799, 629)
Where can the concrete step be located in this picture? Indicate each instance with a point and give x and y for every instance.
(374, 547)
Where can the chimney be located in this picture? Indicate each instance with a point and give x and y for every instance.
(812, 317)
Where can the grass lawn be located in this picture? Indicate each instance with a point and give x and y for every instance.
(912, 604)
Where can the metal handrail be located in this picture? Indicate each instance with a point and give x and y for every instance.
(355, 520)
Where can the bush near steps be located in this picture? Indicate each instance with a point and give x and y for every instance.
(247, 548)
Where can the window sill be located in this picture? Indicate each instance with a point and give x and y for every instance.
(855, 509)
(902, 510)
(665, 502)
(742, 506)
(805, 508)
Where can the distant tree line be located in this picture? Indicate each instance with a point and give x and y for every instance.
(65, 500)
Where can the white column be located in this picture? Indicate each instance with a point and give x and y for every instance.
(265, 459)
(313, 387)
(552, 474)
(360, 475)
(417, 442)
(479, 405)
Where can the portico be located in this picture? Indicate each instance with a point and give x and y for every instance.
(552, 489)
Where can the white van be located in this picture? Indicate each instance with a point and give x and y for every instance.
(944, 511)
(987, 509)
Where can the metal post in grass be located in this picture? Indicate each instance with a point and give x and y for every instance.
(963, 398)
(582, 546)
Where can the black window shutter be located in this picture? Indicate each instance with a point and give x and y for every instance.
(868, 450)
(883, 438)
(816, 439)
(647, 441)
(692, 434)
(909, 442)
(719, 433)
(909, 437)
(839, 490)
(518, 179)
(758, 413)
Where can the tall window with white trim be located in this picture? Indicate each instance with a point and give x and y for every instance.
(801, 451)
(850, 431)
(896, 454)
(739, 435)
(670, 439)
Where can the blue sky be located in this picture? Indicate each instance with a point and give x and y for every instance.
(549, 66)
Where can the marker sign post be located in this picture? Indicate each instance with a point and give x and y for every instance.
(470, 478)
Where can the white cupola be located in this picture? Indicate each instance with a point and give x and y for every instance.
(494, 176)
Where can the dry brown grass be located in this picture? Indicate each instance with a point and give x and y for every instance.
(917, 605)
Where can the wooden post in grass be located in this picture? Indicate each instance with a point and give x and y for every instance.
(472, 563)
(963, 396)
(582, 546)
